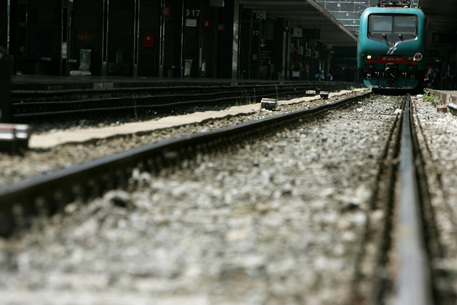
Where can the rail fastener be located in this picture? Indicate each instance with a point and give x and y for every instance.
(268, 103)
(14, 138)
(324, 94)
(311, 92)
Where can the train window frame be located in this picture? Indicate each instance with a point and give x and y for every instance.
(396, 26)
(392, 33)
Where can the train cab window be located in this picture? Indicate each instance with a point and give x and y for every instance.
(384, 27)
(405, 24)
(380, 24)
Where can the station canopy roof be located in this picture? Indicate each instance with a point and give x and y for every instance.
(307, 14)
(441, 24)
(441, 14)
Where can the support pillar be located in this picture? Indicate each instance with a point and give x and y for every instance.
(5, 87)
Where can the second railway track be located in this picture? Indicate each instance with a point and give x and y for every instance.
(57, 99)
(52, 190)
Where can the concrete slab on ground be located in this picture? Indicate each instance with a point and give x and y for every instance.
(447, 96)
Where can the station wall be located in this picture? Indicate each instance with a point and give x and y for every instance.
(164, 38)
(118, 37)
(35, 36)
(3, 23)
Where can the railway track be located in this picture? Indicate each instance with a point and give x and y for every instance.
(52, 101)
(47, 194)
(405, 244)
(401, 270)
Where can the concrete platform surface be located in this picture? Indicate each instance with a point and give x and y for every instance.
(51, 139)
(447, 96)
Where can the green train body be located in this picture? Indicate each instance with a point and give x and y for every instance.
(391, 48)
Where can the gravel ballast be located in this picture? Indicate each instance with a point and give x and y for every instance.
(278, 222)
(438, 141)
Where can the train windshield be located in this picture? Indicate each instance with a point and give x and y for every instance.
(392, 24)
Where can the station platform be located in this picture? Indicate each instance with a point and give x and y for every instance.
(447, 96)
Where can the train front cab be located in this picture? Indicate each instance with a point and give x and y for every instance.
(391, 47)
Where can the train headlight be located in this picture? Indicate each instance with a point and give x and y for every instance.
(417, 57)
(368, 57)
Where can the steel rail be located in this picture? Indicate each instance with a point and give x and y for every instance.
(414, 279)
(33, 104)
(127, 89)
(50, 109)
(32, 96)
(51, 192)
(138, 103)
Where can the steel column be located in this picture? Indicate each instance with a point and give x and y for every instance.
(236, 35)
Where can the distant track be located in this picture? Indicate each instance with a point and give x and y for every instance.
(39, 102)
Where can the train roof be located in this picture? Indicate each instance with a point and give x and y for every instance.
(394, 3)
(395, 10)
